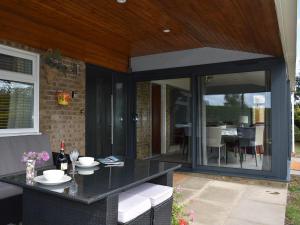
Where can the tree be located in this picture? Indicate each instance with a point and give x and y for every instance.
(297, 92)
(232, 100)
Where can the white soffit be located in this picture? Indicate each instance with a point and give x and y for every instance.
(287, 21)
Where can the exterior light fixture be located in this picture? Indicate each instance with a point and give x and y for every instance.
(121, 1)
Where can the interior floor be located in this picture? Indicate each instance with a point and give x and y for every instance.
(174, 157)
(233, 161)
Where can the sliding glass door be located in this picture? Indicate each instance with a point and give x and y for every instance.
(164, 119)
(234, 120)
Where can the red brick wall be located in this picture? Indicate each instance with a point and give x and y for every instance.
(61, 122)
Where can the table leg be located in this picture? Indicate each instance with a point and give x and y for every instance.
(47, 209)
(166, 179)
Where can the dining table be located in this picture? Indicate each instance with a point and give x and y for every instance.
(89, 198)
(229, 131)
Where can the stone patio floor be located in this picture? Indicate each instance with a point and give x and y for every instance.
(218, 200)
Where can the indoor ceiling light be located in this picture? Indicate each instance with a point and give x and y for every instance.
(121, 1)
(166, 30)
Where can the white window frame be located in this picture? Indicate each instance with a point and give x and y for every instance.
(25, 78)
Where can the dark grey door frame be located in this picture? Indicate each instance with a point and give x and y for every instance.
(94, 72)
(279, 101)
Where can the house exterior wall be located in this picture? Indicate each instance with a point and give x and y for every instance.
(61, 122)
(143, 125)
(280, 118)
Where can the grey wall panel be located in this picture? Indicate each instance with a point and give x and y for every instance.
(197, 56)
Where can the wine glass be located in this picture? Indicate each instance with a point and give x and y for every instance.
(73, 189)
(73, 157)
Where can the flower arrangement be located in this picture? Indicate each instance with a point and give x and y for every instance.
(179, 216)
(36, 156)
(31, 158)
(53, 58)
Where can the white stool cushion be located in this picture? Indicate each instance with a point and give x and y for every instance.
(156, 193)
(131, 206)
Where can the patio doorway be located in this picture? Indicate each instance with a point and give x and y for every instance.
(235, 120)
(164, 114)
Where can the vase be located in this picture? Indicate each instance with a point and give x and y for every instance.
(30, 171)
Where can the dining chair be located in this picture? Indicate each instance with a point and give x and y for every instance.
(259, 138)
(214, 140)
(246, 137)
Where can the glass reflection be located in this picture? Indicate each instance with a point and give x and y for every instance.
(164, 120)
(235, 117)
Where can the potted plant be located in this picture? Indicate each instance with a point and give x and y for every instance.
(53, 64)
(179, 216)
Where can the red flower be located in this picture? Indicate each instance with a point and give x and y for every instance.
(183, 222)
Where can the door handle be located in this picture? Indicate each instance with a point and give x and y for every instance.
(112, 118)
(135, 117)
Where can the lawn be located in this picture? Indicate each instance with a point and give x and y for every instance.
(293, 206)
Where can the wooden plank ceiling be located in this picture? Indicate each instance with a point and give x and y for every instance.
(108, 33)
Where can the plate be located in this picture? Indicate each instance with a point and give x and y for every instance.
(95, 163)
(42, 180)
(87, 171)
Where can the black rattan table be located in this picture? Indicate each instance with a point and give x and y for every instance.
(88, 199)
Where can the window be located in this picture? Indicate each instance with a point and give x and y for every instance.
(19, 91)
(236, 120)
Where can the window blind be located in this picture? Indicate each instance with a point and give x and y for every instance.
(15, 64)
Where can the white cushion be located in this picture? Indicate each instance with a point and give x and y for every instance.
(131, 206)
(156, 193)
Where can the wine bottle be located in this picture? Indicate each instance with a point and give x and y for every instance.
(61, 160)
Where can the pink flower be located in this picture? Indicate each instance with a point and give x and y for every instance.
(178, 189)
(192, 215)
(24, 159)
(38, 157)
(44, 156)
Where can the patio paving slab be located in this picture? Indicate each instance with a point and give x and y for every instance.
(219, 194)
(232, 201)
(207, 212)
(234, 221)
(258, 212)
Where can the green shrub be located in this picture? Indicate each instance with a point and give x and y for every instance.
(297, 133)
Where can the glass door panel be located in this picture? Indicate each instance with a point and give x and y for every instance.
(234, 120)
(164, 119)
(119, 115)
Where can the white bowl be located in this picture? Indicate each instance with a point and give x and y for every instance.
(53, 175)
(86, 161)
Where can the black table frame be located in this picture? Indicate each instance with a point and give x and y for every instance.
(42, 208)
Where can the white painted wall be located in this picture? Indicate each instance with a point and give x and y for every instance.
(182, 83)
(287, 21)
(293, 122)
(197, 56)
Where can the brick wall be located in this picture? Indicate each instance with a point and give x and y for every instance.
(143, 125)
(61, 122)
